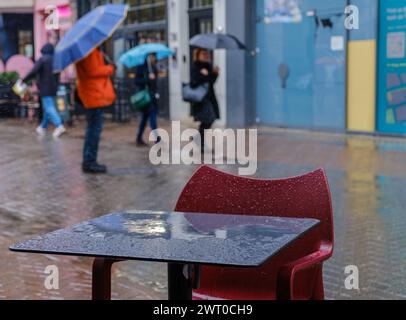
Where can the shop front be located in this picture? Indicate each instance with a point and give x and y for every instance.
(392, 67)
(322, 65)
(294, 71)
(16, 29)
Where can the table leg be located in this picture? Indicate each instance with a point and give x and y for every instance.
(101, 279)
(179, 287)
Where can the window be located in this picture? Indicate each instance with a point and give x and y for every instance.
(200, 4)
(25, 45)
(142, 11)
(200, 16)
(16, 35)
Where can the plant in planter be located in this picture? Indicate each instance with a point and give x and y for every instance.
(7, 78)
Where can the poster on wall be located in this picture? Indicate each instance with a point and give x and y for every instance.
(392, 67)
(282, 11)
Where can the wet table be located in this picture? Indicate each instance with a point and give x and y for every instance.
(183, 240)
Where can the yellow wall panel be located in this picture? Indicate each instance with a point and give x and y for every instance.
(361, 86)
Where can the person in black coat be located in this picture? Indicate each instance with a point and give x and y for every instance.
(47, 82)
(202, 72)
(147, 76)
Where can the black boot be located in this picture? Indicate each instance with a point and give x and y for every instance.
(141, 144)
(94, 168)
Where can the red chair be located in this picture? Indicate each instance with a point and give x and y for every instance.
(294, 273)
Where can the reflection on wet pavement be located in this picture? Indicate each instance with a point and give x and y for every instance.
(43, 189)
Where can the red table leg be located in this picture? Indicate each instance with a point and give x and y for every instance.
(179, 285)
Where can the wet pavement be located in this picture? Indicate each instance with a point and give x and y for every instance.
(42, 189)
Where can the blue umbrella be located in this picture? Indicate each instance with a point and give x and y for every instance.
(136, 56)
(88, 33)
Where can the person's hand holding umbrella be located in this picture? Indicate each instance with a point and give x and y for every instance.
(214, 41)
(109, 61)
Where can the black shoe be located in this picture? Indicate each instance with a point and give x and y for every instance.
(94, 168)
(141, 144)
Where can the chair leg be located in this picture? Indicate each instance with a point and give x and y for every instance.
(101, 279)
(318, 291)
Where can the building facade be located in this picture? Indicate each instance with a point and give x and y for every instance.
(309, 64)
(323, 65)
(22, 26)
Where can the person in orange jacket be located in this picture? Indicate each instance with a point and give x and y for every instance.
(95, 90)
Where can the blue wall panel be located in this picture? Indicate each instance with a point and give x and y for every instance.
(300, 69)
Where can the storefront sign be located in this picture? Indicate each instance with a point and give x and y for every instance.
(392, 67)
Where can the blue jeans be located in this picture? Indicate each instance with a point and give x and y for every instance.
(50, 113)
(152, 115)
(94, 129)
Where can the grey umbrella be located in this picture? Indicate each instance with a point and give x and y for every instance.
(213, 41)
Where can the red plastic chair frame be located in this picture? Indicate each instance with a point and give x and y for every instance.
(296, 273)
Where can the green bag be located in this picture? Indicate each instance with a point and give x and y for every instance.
(141, 100)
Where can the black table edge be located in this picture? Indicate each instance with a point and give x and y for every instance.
(121, 258)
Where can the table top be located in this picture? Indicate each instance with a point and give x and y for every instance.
(190, 238)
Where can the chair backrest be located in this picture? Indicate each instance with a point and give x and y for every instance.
(306, 196)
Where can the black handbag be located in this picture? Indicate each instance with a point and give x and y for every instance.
(196, 94)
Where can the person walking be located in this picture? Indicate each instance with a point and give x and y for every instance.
(147, 77)
(47, 83)
(206, 112)
(96, 92)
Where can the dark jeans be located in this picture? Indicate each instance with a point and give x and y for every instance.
(152, 115)
(94, 129)
(204, 125)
